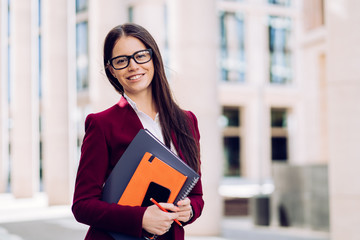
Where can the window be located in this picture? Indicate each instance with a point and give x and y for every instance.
(81, 5)
(278, 118)
(131, 14)
(41, 178)
(232, 52)
(279, 148)
(82, 64)
(279, 134)
(232, 156)
(9, 55)
(286, 3)
(232, 141)
(82, 46)
(232, 118)
(280, 51)
(39, 49)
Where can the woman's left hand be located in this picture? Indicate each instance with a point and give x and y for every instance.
(185, 210)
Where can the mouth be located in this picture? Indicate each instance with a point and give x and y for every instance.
(135, 77)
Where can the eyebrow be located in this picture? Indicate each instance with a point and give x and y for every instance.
(123, 55)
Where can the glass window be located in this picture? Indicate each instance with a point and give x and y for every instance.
(279, 134)
(286, 3)
(232, 156)
(231, 116)
(279, 148)
(278, 117)
(131, 14)
(232, 52)
(40, 66)
(81, 5)
(9, 56)
(280, 51)
(39, 13)
(82, 64)
(9, 18)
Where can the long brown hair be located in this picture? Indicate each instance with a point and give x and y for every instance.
(172, 118)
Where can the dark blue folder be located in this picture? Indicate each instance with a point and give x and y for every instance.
(120, 176)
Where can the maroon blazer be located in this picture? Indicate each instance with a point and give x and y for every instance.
(107, 135)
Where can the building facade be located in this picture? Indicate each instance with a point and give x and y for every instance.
(52, 77)
(263, 75)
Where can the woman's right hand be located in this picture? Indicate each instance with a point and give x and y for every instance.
(156, 221)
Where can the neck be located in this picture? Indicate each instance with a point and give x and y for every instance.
(145, 103)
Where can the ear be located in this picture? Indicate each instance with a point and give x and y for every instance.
(112, 71)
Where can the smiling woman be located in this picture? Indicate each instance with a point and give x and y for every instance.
(134, 74)
(134, 66)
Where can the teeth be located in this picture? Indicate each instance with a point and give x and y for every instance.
(135, 77)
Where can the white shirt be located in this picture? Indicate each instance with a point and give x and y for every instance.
(148, 123)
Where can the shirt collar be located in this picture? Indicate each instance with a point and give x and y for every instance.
(131, 102)
(133, 105)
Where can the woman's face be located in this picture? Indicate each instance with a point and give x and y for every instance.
(135, 78)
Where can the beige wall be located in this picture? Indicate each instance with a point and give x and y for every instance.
(4, 109)
(24, 135)
(102, 18)
(194, 82)
(343, 80)
(59, 100)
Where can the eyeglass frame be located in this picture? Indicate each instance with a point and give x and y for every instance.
(129, 57)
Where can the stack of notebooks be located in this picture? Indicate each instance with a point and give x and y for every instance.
(148, 169)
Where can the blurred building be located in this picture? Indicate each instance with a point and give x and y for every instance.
(273, 96)
(259, 74)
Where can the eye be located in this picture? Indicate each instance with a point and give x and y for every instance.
(120, 61)
(143, 55)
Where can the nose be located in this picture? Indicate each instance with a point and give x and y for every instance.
(132, 65)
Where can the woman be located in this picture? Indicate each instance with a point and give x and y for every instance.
(134, 67)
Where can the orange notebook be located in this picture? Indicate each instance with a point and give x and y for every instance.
(152, 170)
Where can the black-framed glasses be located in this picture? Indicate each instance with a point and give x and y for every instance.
(140, 57)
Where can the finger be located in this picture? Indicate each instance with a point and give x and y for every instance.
(168, 217)
(185, 208)
(183, 202)
(170, 207)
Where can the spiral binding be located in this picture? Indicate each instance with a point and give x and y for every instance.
(189, 188)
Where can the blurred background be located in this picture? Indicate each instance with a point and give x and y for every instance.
(275, 85)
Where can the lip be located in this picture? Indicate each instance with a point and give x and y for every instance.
(135, 76)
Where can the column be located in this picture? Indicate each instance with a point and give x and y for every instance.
(4, 109)
(102, 18)
(59, 100)
(193, 45)
(152, 16)
(257, 139)
(343, 81)
(24, 102)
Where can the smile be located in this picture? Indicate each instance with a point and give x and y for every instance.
(135, 77)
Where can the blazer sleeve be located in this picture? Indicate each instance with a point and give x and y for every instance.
(196, 195)
(93, 166)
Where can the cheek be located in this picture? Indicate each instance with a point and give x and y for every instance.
(152, 74)
(151, 71)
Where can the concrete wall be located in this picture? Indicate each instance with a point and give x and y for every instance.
(301, 197)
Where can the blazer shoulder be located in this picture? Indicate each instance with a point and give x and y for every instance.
(104, 117)
(108, 113)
